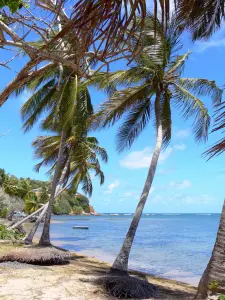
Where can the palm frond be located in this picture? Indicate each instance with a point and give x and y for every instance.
(216, 149)
(192, 106)
(135, 122)
(202, 17)
(219, 126)
(203, 87)
(37, 104)
(111, 110)
(178, 64)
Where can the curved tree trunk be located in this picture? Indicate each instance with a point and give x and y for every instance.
(45, 237)
(29, 238)
(121, 262)
(215, 269)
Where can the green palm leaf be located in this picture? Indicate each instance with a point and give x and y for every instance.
(192, 106)
(203, 87)
(135, 122)
(119, 103)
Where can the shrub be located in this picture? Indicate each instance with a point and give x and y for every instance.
(6, 234)
(77, 210)
(61, 207)
(3, 212)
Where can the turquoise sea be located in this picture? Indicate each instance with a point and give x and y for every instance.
(174, 246)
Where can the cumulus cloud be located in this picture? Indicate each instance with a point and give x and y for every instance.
(185, 184)
(128, 194)
(111, 187)
(141, 159)
(182, 133)
(214, 43)
(180, 147)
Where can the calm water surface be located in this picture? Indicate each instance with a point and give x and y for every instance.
(172, 246)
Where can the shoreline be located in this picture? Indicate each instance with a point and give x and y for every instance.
(96, 254)
(75, 280)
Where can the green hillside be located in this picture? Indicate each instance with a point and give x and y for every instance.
(30, 194)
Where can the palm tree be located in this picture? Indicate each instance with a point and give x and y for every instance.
(81, 159)
(156, 85)
(10, 185)
(65, 102)
(32, 203)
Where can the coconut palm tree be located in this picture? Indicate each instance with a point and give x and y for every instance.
(155, 84)
(32, 203)
(81, 160)
(64, 102)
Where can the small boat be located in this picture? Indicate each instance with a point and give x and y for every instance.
(80, 227)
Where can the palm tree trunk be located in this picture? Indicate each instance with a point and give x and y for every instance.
(215, 269)
(29, 238)
(121, 262)
(26, 218)
(45, 237)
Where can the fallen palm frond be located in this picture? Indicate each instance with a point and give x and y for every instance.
(37, 256)
(127, 287)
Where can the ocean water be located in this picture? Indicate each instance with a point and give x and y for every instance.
(174, 246)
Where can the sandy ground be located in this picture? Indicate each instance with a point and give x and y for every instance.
(73, 281)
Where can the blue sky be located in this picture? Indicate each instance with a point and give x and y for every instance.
(184, 181)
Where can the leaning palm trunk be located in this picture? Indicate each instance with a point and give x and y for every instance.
(29, 238)
(45, 237)
(27, 218)
(121, 262)
(215, 269)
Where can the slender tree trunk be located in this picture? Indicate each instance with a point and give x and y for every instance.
(215, 269)
(121, 262)
(29, 238)
(45, 237)
(26, 218)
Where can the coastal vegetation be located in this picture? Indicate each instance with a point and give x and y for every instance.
(25, 194)
(66, 54)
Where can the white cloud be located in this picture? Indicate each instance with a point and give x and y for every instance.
(111, 187)
(141, 159)
(182, 133)
(128, 194)
(166, 171)
(198, 199)
(185, 184)
(203, 46)
(180, 147)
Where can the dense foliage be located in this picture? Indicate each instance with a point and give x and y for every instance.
(67, 203)
(35, 193)
(13, 234)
